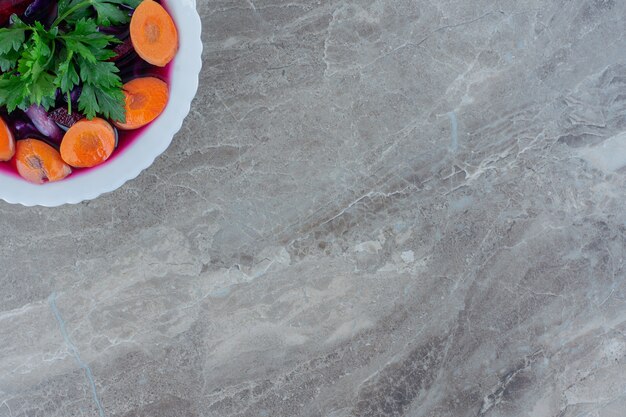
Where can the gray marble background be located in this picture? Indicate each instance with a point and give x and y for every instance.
(375, 208)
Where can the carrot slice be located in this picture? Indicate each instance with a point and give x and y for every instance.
(153, 33)
(146, 99)
(39, 162)
(88, 143)
(7, 142)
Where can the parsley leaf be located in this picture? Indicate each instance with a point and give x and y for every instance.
(8, 60)
(67, 76)
(110, 98)
(108, 12)
(43, 90)
(35, 68)
(13, 92)
(87, 42)
(11, 39)
(105, 101)
(38, 62)
(88, 103)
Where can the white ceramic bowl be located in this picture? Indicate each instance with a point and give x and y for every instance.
(141, 153)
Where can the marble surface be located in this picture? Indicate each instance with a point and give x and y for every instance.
(375, 208)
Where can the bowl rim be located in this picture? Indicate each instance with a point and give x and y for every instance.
(141, 153)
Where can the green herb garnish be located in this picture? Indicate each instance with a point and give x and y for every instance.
(37, 61)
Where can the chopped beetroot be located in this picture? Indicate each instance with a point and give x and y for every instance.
(9, 7)
(122, 49)
(63, 118)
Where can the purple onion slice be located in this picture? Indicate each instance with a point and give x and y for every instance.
(44, 123)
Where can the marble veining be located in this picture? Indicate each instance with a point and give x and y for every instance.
(375, 208)
(74, 352)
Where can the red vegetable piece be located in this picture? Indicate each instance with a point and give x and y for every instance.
(9, 7)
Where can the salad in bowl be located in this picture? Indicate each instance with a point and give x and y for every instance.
(91, 92)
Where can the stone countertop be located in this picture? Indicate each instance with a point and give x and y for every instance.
(375, 208)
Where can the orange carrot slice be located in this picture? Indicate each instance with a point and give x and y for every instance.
(88, 143)
(7, 142)
(146, 99)
(153, 33)
(39, 162)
